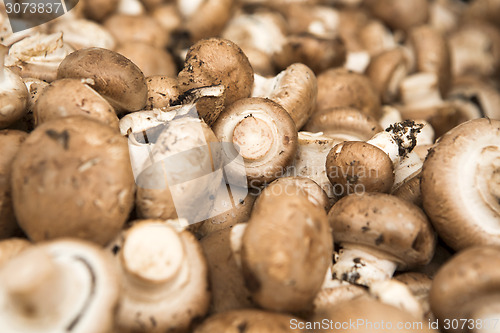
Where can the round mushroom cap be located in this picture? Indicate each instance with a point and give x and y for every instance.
(354, 167)
(367, 316)
(136, 28)
(85, 186)
(344, 123)
(262, 133)
(467, 284)
(115, 77)
(391, 226)
(73, 97)
(460, 184)
(339, 87)
(162, 91)
(10, 141)
(400, 15)
(98, 10)
(150, 59)
(249, 321)
(287, 249)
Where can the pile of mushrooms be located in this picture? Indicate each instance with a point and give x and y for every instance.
(252, 166)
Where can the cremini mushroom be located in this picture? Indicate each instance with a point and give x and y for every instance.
(295, 89)
(336, 292)
(286, 250)
(164, 278)
(150, 59)
(81, 169)
(35, 88)
(115, 77)
(374, 241)
(72, 97)
(262, 133)
(11, 247)
(38, 56)
(251, 321)
(10, 141)
(466, 288)
(136, 28)
(338, 87)
(14, 96)
(98, 10)
(162, 91)
(60, 286)
(216, 61)
(400, 15)
(464, 160)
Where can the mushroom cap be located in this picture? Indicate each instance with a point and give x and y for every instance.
(150, 59)
(248, 321)
(11, 247)
(115, 77)
(391, 226)
(73, 97)
(466, 284)
(331, 296)
(162, 91)
(432, 54)
(216, 61)
(338, 87)
(75, 289)
(400, 15)
(460, 184)
(82, 171)
(265, 135)
(344, 123)
(10, 141)
(226, 279)
(14, 98)
(356, 165)
(368, 316)
(98, 10)
(287, 249)
(136, 28)
(409, 189)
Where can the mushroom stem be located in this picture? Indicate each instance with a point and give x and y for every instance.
(421, 90)
(358, 265)
(236, 240)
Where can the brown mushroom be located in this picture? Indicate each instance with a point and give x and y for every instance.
(115, 77)
(11, 247)
(150, 59)
(379, 233)
(162, 91)
(98, 10)
(401, 15)
(81, 170)
(136, 28)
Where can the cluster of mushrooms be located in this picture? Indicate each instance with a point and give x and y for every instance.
(367, 133)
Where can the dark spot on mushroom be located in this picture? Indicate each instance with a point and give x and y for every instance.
(248, 115)
(115, 250)
(351, 277)
(242, 327)
(153, 321)
(286, 139)
(352, 179)
(251, 281)
(281, 152)
(365, 229)
(379, 240)
(357, 260)
(211, 197)
(61, 137)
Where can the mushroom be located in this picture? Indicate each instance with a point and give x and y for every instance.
(14, 96)
(366, 315)
(397, 294)
(98, 10)
(11, 247)
(400, 15)
(262, 133)
(81, 33)
(162, 91)
(336, 292)
(466, 288)
(226, 279)
(35, 88)
(10, 141)
(150, 59)
(310, 161)
(81, 170)
(168, 16)
(136, 28)
(378, 233)
(343, 123)
(465, 160)
(216, 61)
(251, 321)
(76, 289)
(286, 250)
(164, 278)
(38, 56)
(420, 286)
(295, 89)
(72, 97)
(338, 87)
(115, 77)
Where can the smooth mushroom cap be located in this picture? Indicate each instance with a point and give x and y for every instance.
(359, 167)
(400, 15)
(467, 285)
(367, 315)
(461, 184)
(328, 297)
(73, 97)
(162, 91)
(82, 171)
(249, 321)
(115, 77)
(150, 59)
(343, 123)
(10, 141)
(262, 133)
(136, 28)
(11, 247)
(286, 251)
(98, 10)
(226, 279)
(385, 223)
(338, 87)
